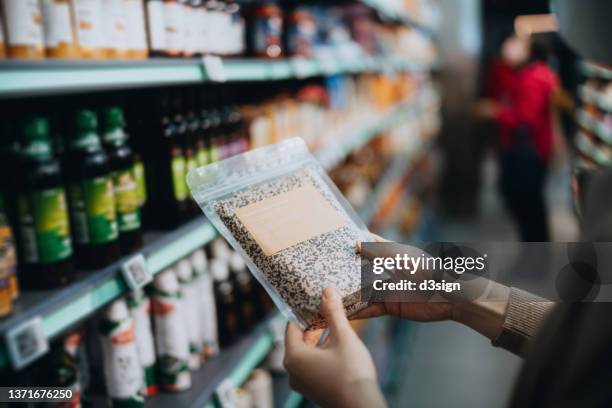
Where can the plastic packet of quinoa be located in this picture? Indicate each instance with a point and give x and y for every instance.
(278, 208)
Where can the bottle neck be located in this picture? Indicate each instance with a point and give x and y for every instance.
(86, 140)
(115, 137)
(37, 150)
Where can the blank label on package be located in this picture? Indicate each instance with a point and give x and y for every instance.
(279, 222)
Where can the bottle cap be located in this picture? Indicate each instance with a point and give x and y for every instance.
(219, 270)
(86, 120)
(220, 249)
(117, 311)
(36, 129)
(113, 117)
(184, 271)
(199, 261)
(166, 282)
(236, 262)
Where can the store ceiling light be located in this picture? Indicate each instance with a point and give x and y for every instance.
(535, 23)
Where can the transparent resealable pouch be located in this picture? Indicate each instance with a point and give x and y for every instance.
(278, 208)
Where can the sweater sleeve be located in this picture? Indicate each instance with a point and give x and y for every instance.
(524, 315)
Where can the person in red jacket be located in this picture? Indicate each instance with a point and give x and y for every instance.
(522, 90)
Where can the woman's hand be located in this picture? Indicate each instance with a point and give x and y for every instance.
(339, 374)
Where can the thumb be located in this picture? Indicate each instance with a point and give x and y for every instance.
(333, 311)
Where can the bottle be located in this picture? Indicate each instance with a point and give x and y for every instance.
(170, 333)
(141, 182)
(7, 262)
(121, 163)
(225, 296)
(60, 39)
(264, 30)
(207, 308)
(173, 23)
(45, 245)
(215, 140)
(115, 29)
(139, 306)
(89, 23)
(23, 28)
(245, 290)
(201, 142)
(58, 368)
(122, 370)
(180, 167)
(2, 40)
(189, 293)
(156, 27)
(136, 29)
(188, 28)
(91, 196)
(190, 151)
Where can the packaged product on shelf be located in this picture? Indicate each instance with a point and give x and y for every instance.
(274, 359)
(226, 302)
(121, 163)
(156, 27)
(207, 308)
(24, 30)
(2, 41)
(260, 388)
(172, 344)
(189, 293)
(241, 399)
(123, 372)
(136, 29)
(264, 29)
(90, 33)
(91, 196)
(45, 246)
(59, 31)
(300, 32)
(173, 27)
(219, 249)
(141, 181)
(139, 306)
(245, 290)
(115, 29)
(7, 262)
(279, 210)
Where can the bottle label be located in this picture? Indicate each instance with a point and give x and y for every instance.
(192, 163)
(173, 21)
(141, 184)
(115, 25)
(157, 35)
(214, 152)
(122, 370)
(93, 211)
(136, 30)
(202, 156)
(57, 23)
(89, 23)
(126, 198)
(45, 229)
(23, 22)
(178, 178)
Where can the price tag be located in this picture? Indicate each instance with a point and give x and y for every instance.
(214, 68)
(301, 67)
(26, 342)
(135, 272)
(226, 394)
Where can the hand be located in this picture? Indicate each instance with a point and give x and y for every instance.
(335, 374)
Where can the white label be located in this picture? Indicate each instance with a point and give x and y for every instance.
(136, 30)
(226, 392)
(189, 292)
(170, 335)
(115, 25)
(213, 66)
(122, 370)
(26, 342)
(23, 22)
(135, 272)
(57, 23)
(89, 23)
(157, 35)
(144, 336)
(173, 23)
(208, 313)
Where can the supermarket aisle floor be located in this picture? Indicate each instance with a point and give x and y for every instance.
(450, 365)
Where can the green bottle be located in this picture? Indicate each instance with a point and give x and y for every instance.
(122, 165)
(91, 196)
(43, 226)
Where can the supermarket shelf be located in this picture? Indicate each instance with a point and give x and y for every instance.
(284, 396)
(62, 308)
(19, 78)
(234, 363)
(588, 122)
(597, 71)
(587, 94)
(591, 151)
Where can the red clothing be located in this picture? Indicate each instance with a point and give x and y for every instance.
(501, 85)
(530, 104)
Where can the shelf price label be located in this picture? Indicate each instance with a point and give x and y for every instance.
(135, 272)
(26, 342)
(226, 393)
(214, 68)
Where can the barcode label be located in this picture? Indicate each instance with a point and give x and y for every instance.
(26, 342)
(213, 66)
(135, 272)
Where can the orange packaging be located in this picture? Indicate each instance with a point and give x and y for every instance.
(23, 29)
(115, 29)
(58, 27)
(89, 28)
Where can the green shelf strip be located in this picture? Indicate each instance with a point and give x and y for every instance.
(294, 400)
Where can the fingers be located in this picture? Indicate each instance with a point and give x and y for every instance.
(333, 311)
(311, 337)
(294, 338)
(373, 310)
